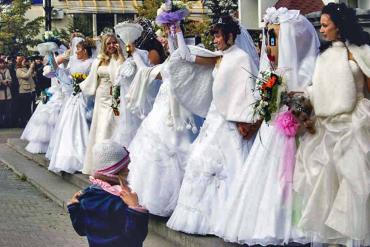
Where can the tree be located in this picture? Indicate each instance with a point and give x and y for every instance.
(149, 9)
(219, 8)
(16, 31)
(200, 28)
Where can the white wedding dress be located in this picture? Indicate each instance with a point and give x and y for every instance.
(71, 134)
(104, 121)
(40, 127)
(332, 175)
(129, 119)
(218, 153)
(158, 155)
(262, 202)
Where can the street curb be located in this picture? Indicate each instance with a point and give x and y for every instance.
(18, 145)
(33, 170)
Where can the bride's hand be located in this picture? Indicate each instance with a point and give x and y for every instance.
(292, 93)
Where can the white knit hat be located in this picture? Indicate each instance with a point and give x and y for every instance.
(110, 158)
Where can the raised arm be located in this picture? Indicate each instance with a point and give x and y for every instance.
(185, 52)
(26, 75)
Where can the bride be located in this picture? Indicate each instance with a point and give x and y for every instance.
(260, 208)
(160, 147)
(332, 175)
(99, 83)
(73, 127)
(218, 153)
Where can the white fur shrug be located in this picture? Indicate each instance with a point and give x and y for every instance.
(333, 90)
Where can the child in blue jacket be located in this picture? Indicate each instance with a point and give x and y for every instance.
(108, 212)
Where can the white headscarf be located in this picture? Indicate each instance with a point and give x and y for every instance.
(298, 47)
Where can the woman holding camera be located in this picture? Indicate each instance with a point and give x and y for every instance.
(25, 72)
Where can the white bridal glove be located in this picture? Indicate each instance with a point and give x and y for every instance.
(184, 50)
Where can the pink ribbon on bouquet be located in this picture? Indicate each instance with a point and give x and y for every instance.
(288, 125)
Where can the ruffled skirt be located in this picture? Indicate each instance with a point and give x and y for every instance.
(158, 156)
(41, 125)
(71, 137)
(216, 158)
(332, 178)
(261, 207)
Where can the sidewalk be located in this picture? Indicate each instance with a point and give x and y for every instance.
(29, 219)
(9, 133)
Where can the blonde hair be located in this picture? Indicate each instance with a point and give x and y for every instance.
(104, 57)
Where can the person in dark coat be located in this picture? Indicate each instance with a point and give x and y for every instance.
(41, 81)
(108, 212)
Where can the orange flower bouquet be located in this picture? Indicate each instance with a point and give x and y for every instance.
(270, 88)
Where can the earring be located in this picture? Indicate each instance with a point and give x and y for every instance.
(230, 41)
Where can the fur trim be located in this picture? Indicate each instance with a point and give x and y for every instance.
(334, 88)
(362, 56)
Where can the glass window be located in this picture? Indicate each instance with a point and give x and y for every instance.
(37, 2)
(84, 23)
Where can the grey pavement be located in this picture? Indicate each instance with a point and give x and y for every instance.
(9, 133)
(28, 218)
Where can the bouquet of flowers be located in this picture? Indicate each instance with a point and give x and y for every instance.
(302, 109)
(44, 97)
(77, 79)
(49, 45)
(115, 92)
(170, 13)
(270, 88)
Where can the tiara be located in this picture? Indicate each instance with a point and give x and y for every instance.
(106, 31)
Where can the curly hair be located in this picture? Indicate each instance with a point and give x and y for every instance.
(346, 21)
(226, 25)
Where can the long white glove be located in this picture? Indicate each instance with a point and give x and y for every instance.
(138, 60)
(184, 50)
(171, 44)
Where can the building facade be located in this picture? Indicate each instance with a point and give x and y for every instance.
(251, 11)
(92, 16)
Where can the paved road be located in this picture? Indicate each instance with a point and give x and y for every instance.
(29, 219)
(9, 133)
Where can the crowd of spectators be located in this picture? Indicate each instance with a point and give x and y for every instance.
(21, 82)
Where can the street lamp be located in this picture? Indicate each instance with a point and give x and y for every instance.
(47, 8)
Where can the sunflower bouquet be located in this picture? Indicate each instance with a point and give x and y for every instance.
(77, 78)
(270, 87)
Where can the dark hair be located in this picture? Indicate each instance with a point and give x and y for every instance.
(153, 44)
(88, 45)
(2, 60)
(226, 25)
(346, 21)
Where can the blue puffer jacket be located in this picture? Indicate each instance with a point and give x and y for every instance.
(107, 221)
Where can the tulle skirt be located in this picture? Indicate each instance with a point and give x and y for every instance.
(40, 127)
(216, 159)
(71, 137)
(158, 156)
(332, 178)
(260, 210)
